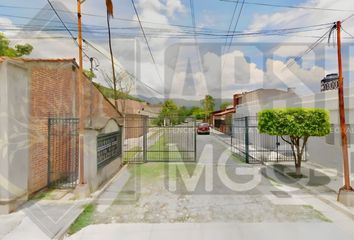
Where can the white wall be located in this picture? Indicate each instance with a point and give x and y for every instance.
(14, 139)
(320, 149)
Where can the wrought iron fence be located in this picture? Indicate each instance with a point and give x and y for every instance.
(109, 147)
(255, 147)
(159, 140)
(63, 152)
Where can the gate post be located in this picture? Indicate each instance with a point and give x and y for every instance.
(49, 152)
(195, 139)
(278, 143)
(145, 131)
(246, 140)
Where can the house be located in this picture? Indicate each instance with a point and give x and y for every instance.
(39, 119)
(221, 119)
(322, 150)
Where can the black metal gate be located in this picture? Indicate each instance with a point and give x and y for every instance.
(109, 147)
(254, 147)
(63, 152)
(156, 140)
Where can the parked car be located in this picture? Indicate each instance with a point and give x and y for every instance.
(203, 128)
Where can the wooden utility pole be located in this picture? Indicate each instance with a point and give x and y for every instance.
(343, 126)
(81, 98)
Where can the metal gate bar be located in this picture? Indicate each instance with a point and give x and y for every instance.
(63, 152)
(147, 140)
(255, 147)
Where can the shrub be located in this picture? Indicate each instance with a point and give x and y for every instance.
(295, 126)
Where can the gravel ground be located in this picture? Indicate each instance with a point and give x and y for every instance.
(153, 203)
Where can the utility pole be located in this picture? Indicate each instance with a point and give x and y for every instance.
(81, 98)
(91, 89)
(343, 127)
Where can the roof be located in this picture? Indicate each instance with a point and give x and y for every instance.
(260, 89)
(38, 59)
(224, 112)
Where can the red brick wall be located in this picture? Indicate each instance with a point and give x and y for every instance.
(54, 92)
(101, 107)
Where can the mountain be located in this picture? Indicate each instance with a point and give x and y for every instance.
(182, 102)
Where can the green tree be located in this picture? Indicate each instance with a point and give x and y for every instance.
(183, 112)
(208, 104)
(295, 126)
(224, 105)
(17, 51)
(199, 114)
(168, 112)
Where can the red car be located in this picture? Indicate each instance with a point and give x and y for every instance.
(203, 128)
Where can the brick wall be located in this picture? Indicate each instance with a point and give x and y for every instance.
(54, 93)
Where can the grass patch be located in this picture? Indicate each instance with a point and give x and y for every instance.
(237, 158)
(131, 153)
(317, 214)
(83, 220)
(150, 171)
(43, 195)
(160, 151)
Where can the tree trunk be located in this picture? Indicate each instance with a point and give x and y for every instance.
(297, 154)
(298, 166)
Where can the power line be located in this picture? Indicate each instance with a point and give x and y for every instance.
(347, 32)
(310, 48)
(290, 6)
(103, 28)
(158, 32)
(66, 28)
(232, 20)
(146, 40)
(238, 18)
(347, 18)
(132, 77)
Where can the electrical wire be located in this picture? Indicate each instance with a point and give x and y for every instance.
(236, 24)
(309, 49)
(289, 6)
(146, 40)
(232, 20)
(66, 28)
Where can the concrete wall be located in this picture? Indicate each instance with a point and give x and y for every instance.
(32, 90)
(322, 150)
(14, 141)
(96, 176)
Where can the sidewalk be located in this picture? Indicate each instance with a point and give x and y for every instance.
(221, 136)
(322, 182)
(212, 231)
(41, 219)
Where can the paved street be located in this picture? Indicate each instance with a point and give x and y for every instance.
(225, 197)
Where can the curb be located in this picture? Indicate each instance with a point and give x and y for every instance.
(93, 197)
(336, 205)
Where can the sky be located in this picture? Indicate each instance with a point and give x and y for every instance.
(187, 62)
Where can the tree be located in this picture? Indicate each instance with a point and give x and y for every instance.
(183, 112)
(90, 75)
(199, 114)
(121, 85)
(18, 51)
(169, 112)
(208, 104)
(224, 105)
(295, 126)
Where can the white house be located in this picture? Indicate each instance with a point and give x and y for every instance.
(322, 150)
